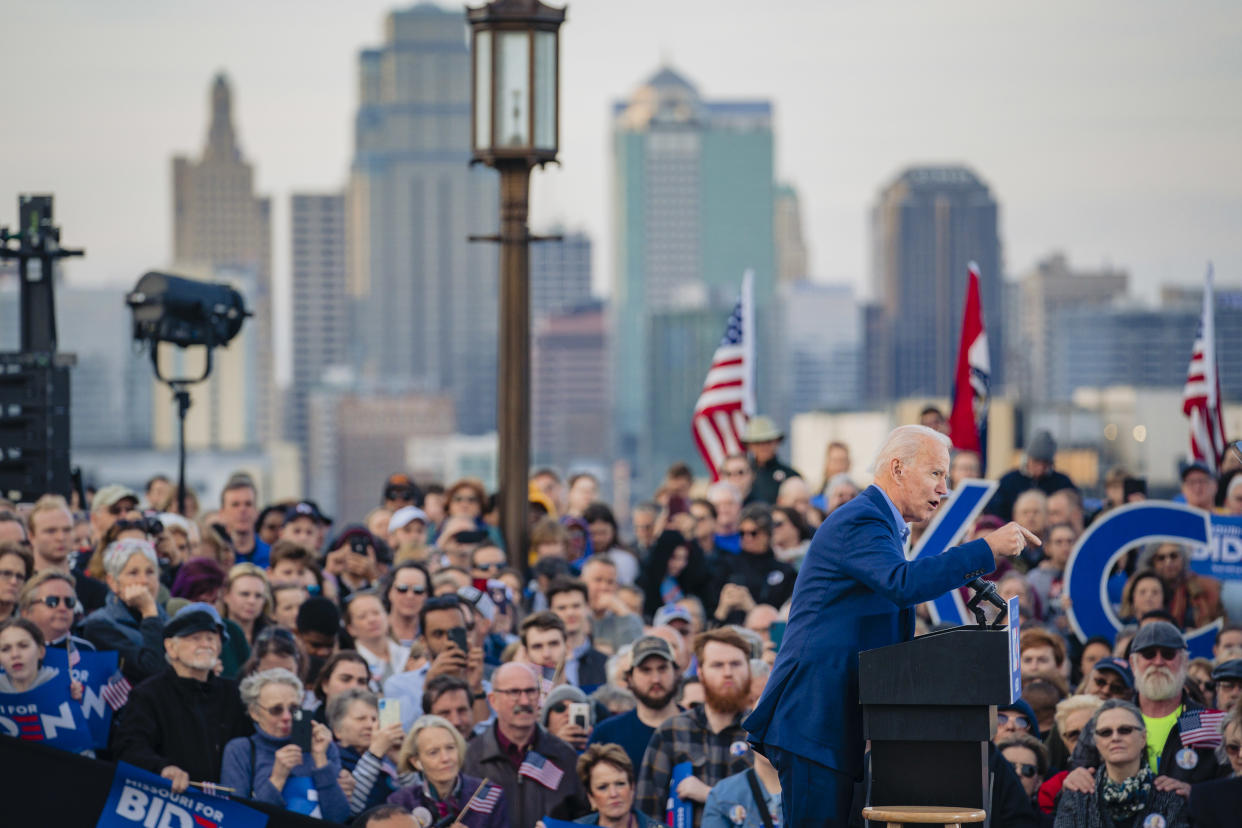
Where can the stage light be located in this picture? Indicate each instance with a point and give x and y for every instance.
(185, 312)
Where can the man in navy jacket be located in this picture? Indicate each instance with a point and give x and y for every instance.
(856, 591)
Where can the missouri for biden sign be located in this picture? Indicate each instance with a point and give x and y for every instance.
(1215, 545)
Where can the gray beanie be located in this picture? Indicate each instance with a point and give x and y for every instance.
(1042, 447)
(563, 693)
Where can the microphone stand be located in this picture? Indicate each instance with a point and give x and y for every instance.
(987, 591)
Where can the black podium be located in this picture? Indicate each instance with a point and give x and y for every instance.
(929, 706)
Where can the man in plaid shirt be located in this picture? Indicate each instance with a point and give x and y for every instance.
(709, 736)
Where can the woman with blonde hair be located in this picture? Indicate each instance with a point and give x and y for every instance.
(248, 599)
(430, 762)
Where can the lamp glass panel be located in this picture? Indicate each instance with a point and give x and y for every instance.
(513, 92)
(545, 90)
(483, 90)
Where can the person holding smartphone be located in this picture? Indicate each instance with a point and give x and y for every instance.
(290, 761)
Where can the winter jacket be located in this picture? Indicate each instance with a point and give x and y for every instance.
(138, 641)
(529, 800)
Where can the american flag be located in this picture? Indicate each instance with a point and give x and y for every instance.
(487, 802)
(116, 691)
(727, 398)
(538, 768)
(1201, 728)
(1201, 397)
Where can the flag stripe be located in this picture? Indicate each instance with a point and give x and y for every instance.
(720, 412)
(1201, 395)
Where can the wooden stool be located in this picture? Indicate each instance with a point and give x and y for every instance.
(898, 815)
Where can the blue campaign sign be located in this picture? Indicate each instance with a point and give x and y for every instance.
(951, 522)
(679, 813)
(1015, 651)
(46, 714)
(142, 798)
(1222, 557)
(93, 670)
(1086, 576)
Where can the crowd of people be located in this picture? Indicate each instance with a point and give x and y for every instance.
(403, 670)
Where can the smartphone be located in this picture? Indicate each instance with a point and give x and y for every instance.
(389, 712)
(580, 714)
(458, 636)
(776, 632)
(301, 734)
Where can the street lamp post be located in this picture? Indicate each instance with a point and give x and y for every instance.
(514, 126)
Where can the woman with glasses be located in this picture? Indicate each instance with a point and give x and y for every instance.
(50, 602)
(16, 567)
(405, 591)
(755, 576)
(248, 599)
(1029, 759)
(791, 536)
(430, 762)
(1231, 743)
(556, 720)
(1192, 599)
(1072, 716)
(1014, 718)
(1125, 794)
(467, 499)
(132, 620)
(366, 621)
(269, 767)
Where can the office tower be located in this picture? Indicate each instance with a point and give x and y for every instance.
(320, 312)
(927, 226)
(692, 209)
(425, 299)
(560, 275)
(821, 334)
(791, 265)
(570, 394)
(1048, 288)
(222, 229)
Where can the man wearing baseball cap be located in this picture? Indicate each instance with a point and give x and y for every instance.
(1182, 735)
(655, 681)
(177, 723)
(107, 506)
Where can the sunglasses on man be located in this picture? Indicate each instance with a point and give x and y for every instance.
(1166, 653)
(1024, 769)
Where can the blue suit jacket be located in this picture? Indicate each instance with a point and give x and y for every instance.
(853, 593)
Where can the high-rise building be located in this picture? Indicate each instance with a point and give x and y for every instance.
(693, 209)
(222, 229)
(791, 259)
(821, 335)
(425, 299)
(1051, 286)
(560, 275)
(320, 312)
(927, 226)
(570, 395)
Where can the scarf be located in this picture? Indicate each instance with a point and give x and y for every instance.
(1126, 798)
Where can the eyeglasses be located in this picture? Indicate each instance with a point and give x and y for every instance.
(736, 472)
(1233, 748)
(486, 567)
(1072, 735)
(278, 709)
(777, 524)
(399, 493)
(1017, 721)
(1167, 653)
(559, 707)
(517, 692)
(1115, 688)
(11, 575)
(1161, 557)
(418, 589)
(751, 533)
(53, 601)
(465, 499)
(1121, 730)
(1023, 769)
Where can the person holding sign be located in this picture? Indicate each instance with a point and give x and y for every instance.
(272, 765)
(21, 656)
(856, 591)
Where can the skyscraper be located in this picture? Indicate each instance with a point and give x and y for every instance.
(570, 395)
(320, 313)
(425, 299)
(791, 264)
(221, 227)
(693, 209)
(560, 275)
(927, 226)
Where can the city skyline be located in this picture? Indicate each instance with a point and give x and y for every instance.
(1059, 133)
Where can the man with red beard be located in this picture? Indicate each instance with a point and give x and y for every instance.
(1181, 734)
(709, 736)
(654, 680)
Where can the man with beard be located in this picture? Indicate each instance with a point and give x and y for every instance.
(177, 723)
(857, 591)
(1181, 734)
(654, 680)
(708, 736)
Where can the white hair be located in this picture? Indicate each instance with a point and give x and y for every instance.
(253, 684)
(724, 487)
(905, 443)
(837, 481)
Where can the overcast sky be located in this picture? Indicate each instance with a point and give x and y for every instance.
(1110, 130)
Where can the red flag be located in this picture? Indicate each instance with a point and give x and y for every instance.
(1201, 400)
(968, 422)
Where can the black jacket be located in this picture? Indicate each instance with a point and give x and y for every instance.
(768, 480)
(769, 580)
(694, 580)
(528, 800)
(1216, 804)
(170, 720)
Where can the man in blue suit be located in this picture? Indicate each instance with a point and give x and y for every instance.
(856, 591)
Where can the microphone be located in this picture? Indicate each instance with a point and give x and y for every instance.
(987, 591)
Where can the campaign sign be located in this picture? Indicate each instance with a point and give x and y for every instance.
(93, 670)
(1015, 651)
(46, 714)
(1222, 556)
(142, 798)
(680, 812)
(950, 523)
